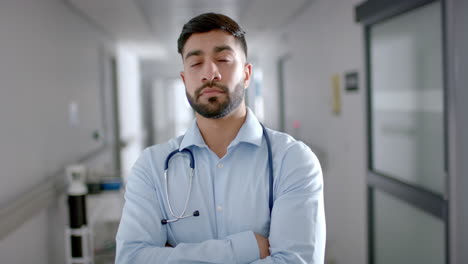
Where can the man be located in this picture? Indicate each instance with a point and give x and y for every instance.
(230, 193)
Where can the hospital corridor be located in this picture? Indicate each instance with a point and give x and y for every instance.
(375, 89)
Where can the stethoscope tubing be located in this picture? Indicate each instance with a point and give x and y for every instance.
(181, 216)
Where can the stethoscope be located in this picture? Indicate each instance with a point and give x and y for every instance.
(192, 173)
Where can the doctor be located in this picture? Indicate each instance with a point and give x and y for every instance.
(254, 195)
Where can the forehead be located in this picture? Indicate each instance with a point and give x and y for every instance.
(206, 42)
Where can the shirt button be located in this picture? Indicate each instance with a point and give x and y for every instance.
(219, 208)
(220, 166)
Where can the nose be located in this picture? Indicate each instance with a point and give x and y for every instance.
(210, 72)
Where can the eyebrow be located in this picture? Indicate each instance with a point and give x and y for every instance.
(193, 53)
(222, 48)
(216, 49)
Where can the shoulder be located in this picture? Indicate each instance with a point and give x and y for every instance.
(160, 151)
(152, 159)
(296, 166)
(291, 155)
(283, 144)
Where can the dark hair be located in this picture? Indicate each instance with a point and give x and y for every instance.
(208, 22)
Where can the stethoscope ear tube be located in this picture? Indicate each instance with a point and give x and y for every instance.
(270, 169)
(192, 160)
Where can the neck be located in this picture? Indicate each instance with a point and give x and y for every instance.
(219, 133)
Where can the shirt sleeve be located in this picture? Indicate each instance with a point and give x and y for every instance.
(298, 231)
(141, 237)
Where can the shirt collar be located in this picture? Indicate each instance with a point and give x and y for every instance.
(192, 137)
(250, 132)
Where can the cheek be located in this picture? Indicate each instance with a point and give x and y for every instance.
(190, 88)
(190, 82)
(234, 74)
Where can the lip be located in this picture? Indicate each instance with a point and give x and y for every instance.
(211, 91)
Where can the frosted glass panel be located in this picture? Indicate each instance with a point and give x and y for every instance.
(407, 98)
(406, 235)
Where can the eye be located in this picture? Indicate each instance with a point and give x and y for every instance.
(223, 60)
(195, 64)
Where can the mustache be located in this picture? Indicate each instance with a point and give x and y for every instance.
(210, 84)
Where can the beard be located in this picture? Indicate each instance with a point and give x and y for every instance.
(216, 108)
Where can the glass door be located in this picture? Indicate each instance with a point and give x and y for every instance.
(407, 179)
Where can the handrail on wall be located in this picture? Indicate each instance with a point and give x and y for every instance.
(39, 197)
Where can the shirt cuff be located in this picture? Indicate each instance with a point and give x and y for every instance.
(245, 247)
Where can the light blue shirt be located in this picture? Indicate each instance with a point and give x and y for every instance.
(232, 195)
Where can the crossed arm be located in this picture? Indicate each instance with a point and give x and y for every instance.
(263, 245)
(297, 227)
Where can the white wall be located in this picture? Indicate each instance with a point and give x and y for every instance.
(49, 57)
(130, 112)
(172, 113)
(324, 40)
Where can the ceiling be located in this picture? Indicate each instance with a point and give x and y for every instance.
(150, 27)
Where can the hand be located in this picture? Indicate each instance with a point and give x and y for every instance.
(263, 246)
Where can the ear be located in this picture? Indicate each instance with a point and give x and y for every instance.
(247, 74)
(182, 76)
